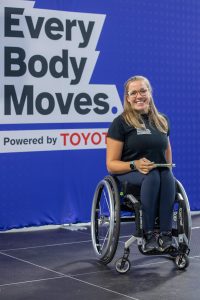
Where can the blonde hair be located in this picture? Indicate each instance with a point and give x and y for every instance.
(133, 118)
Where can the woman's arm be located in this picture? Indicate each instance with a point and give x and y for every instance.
(113, 157)
(168, 153)
(116, 166)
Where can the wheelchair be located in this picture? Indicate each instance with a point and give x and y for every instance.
(114, 203)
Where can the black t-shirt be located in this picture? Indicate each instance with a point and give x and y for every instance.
(149, 143)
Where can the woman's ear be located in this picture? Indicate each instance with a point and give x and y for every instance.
(127, 99)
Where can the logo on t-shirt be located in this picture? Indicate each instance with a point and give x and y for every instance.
(143, 131)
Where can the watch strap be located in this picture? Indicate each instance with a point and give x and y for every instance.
(132, 165)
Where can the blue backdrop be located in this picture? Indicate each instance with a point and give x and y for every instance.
(157, 39)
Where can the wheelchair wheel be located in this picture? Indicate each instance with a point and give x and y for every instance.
(122, 265)
(105, 219)
(182, 261)
(187, 220)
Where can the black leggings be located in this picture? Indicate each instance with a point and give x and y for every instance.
(157, 194)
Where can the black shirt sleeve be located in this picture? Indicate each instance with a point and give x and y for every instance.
(116, 130)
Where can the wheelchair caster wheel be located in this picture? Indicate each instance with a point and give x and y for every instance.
(182, 261)
(122, 265)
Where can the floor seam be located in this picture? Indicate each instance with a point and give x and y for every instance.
(29, 281)
(43, 246)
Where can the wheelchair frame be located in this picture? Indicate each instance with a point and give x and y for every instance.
(106, 217)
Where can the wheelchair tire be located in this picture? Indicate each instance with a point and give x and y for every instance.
(187, 220)
(122, 266)
(105, 219)
(182, 261)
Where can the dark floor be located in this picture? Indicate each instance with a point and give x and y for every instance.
(60, 264)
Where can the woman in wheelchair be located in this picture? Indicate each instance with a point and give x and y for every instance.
(139, 155)
(137, 141)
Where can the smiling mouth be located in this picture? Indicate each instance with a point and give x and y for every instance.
(140, 101)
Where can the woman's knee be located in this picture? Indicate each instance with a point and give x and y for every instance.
(167, 178)
(153, 177)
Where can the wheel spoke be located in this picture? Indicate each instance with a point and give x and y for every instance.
(104, 240)
(106, 200)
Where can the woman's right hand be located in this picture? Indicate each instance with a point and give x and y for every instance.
(144, 165)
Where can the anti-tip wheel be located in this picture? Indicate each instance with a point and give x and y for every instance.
(122, 265)
(182, 261)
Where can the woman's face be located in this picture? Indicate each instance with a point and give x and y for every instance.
(139, 96)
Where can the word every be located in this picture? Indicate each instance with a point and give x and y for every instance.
(53, 28)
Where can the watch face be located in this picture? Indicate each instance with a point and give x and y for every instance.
(132, 166)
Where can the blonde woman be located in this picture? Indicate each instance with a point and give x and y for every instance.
(137, 140)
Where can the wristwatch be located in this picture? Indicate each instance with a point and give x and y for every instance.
(132, 165)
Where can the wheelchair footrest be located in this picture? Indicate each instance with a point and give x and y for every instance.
(173, 251)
